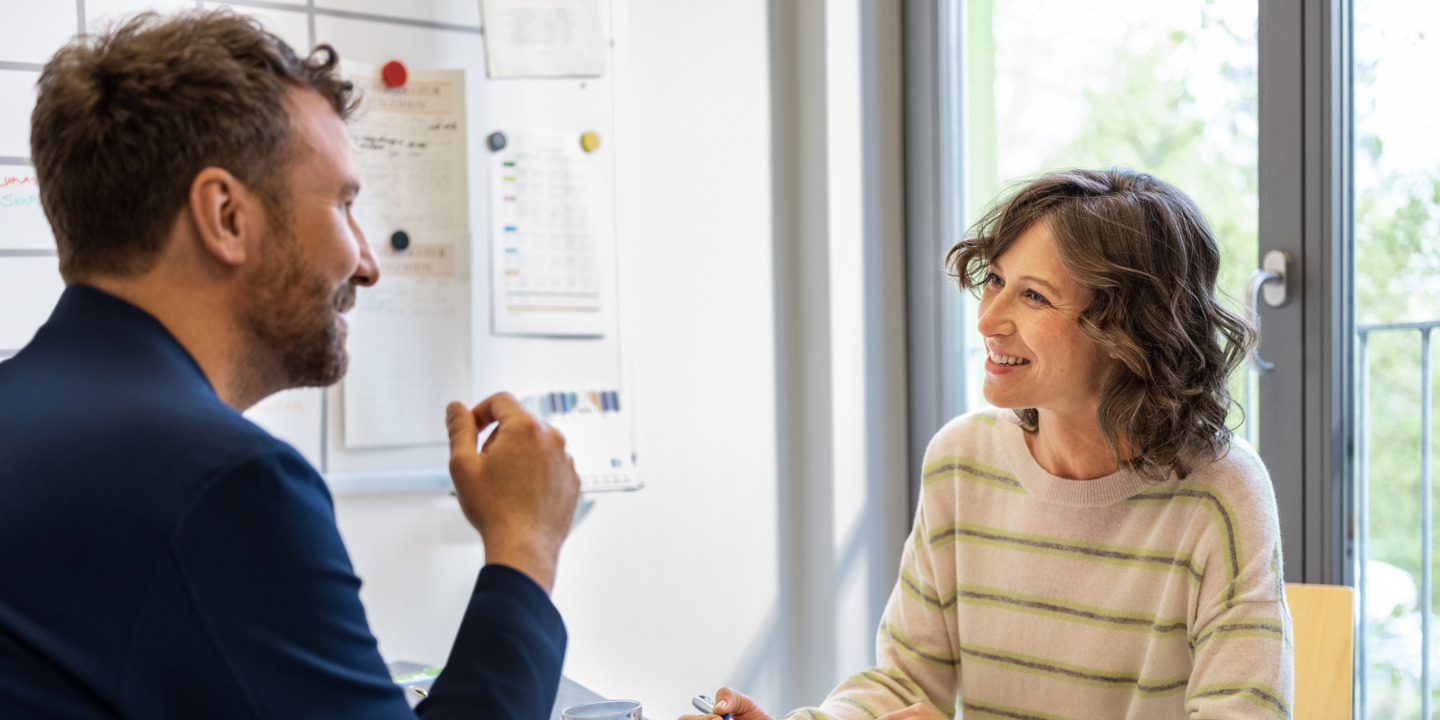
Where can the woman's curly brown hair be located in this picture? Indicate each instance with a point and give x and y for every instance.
(1145, 252)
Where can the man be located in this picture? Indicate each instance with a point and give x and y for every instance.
(160, 556)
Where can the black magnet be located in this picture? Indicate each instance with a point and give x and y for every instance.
(496, 141)
(400, 240)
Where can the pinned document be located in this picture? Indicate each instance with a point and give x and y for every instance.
(22, 220)
(410, 333)
(410, 145)
(543, 38)
(546, 269)
(409, 344)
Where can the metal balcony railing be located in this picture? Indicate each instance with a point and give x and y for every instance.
(1362, 499)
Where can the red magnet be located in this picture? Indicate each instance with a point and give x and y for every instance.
(395, 74)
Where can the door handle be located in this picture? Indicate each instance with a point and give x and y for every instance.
(1269, 278)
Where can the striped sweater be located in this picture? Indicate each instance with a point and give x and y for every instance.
(1025, 596)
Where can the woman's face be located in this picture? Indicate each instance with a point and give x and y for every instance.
(1029, 313)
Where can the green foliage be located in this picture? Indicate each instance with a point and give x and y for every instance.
(1150, 121)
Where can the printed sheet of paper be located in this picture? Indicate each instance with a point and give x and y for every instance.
(543, 38)
(22, 221)
(410, 334)
(295, 417)
(409, 345)
(545, 237)
(410, 145)
(598, 435)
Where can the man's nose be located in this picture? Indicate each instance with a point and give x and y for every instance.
(367, 273)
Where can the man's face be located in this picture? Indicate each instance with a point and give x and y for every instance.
(314, 255)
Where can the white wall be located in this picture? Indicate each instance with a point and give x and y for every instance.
(671, 590)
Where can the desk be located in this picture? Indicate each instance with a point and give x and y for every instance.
(571, 693)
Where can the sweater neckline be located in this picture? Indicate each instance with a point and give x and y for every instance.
(1098, 492)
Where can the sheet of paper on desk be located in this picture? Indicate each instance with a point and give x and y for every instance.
(543, 38)
(409, 345)
(545, 237)
(293, 416)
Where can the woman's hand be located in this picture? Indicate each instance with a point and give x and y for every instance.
(918, 711)
(729, 702)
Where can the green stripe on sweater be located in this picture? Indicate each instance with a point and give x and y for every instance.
(856, 703)
(924, 593)
(1168, 560)
(811, 713)
(988, 710)
(1077, 674)
(914, 650)
(1267, 627)
(1257, 693)
(879, 675)
(1091, 615)
(1224, 516)
(884, 677)
(958, 468)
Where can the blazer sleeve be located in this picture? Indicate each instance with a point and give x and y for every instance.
(506, 659)
(256, 612)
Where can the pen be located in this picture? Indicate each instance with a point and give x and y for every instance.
(706, 704)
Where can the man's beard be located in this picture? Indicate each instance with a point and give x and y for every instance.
(292, 316)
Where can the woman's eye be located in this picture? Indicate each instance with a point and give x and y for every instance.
(1033, 296)
(993, 279)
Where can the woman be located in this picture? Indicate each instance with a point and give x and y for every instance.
(1104, 548)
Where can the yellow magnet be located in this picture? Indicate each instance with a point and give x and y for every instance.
(590, 141)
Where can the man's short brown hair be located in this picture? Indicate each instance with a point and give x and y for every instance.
(127, 118)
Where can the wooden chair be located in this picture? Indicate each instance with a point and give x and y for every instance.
(1324, 618)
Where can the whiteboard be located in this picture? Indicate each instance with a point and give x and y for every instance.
(422, 34)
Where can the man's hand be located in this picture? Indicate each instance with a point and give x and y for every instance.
(519, 490)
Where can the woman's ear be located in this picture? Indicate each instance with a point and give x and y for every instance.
(227, 215)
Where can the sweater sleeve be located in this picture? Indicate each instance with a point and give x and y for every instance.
(1241, 635)
(916, 658)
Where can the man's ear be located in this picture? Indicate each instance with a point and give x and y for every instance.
(228, 216)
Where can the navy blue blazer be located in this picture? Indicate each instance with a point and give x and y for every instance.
(163, 557)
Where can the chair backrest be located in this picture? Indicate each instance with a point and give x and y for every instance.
(1324, 620)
